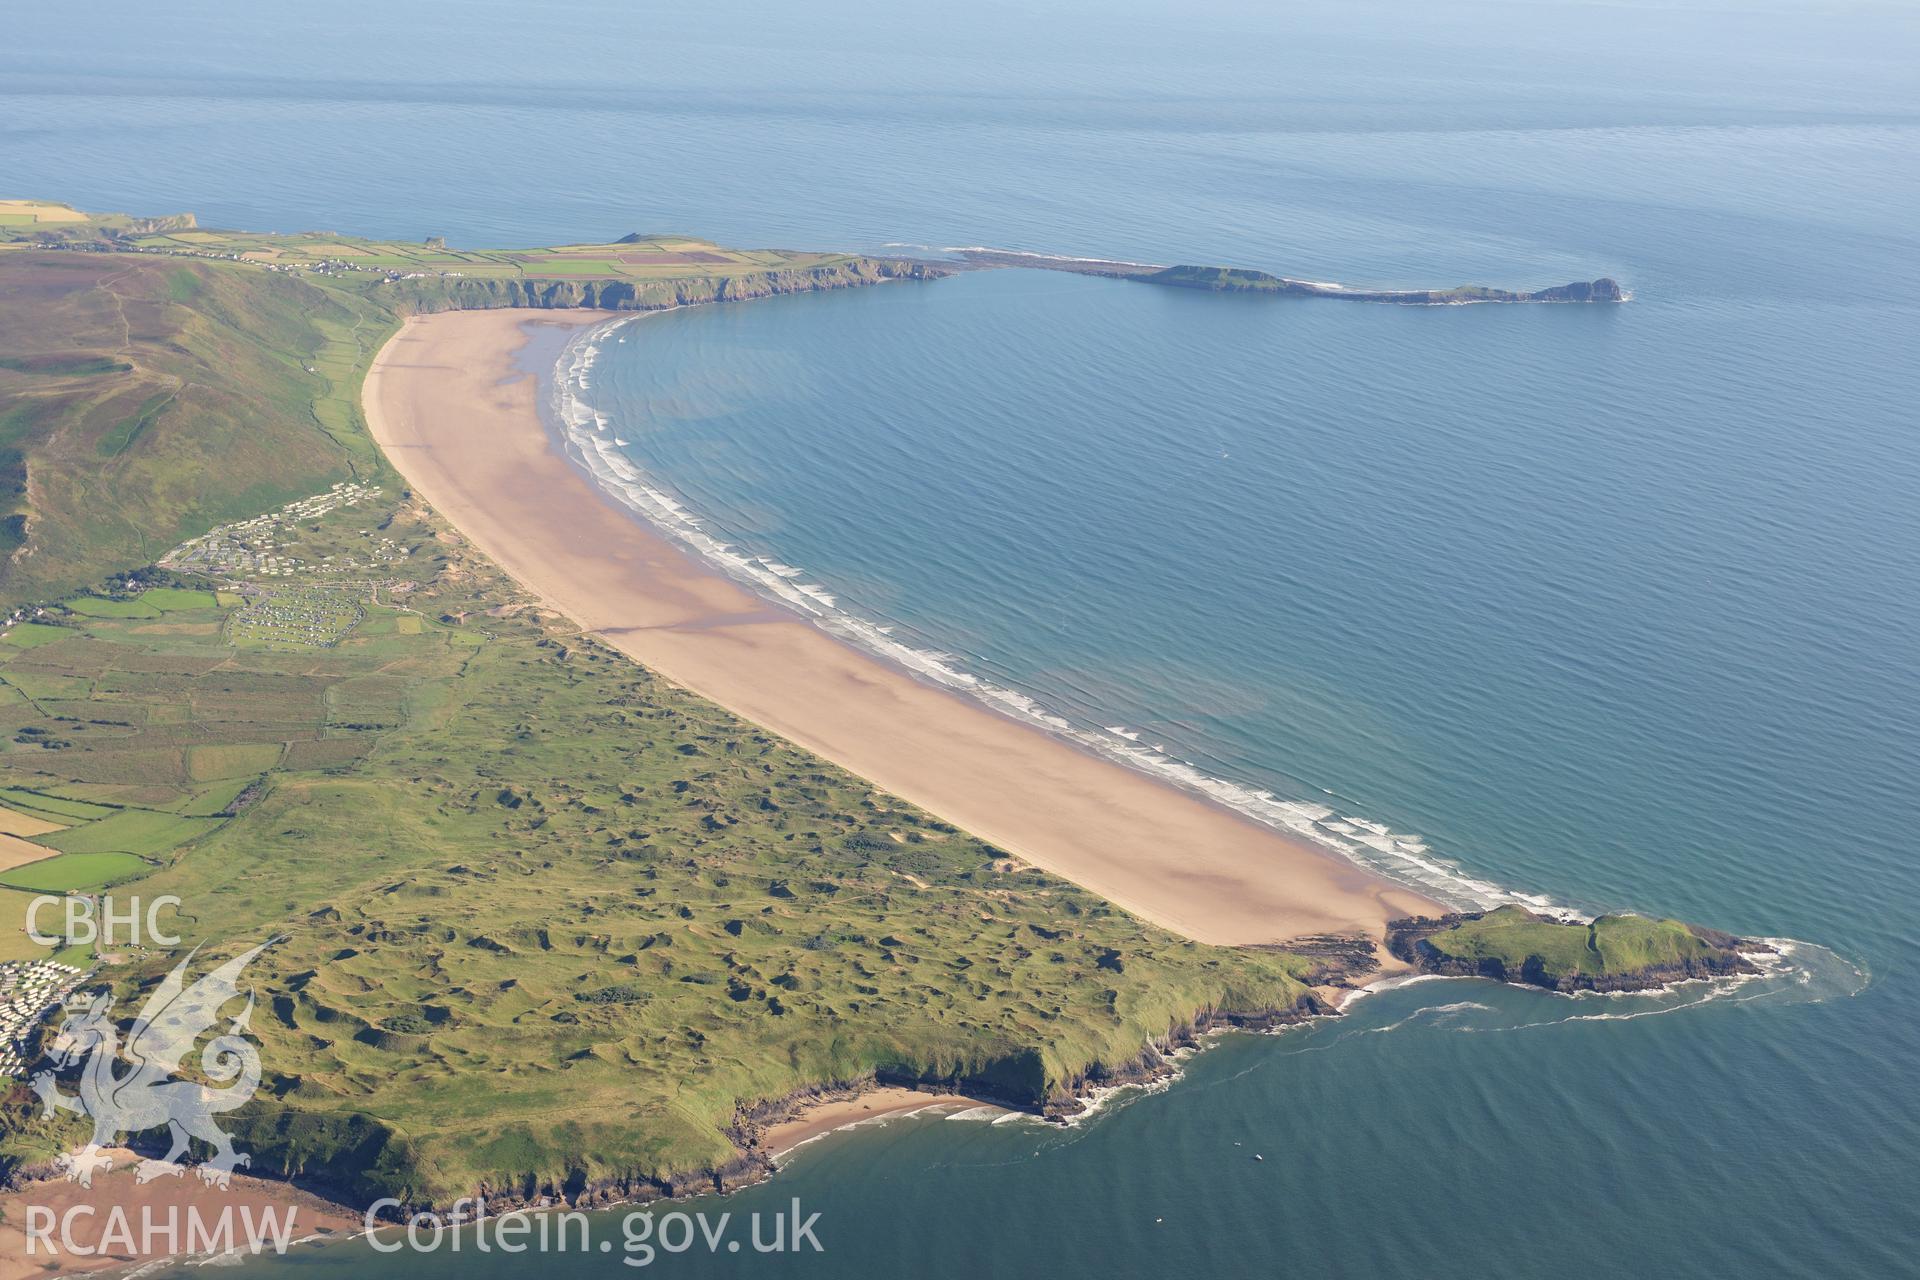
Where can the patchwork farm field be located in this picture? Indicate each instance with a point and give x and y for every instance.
(18, 824)
(637, 257)
(37, 213)
(16, 851)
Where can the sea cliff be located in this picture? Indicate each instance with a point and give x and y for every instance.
(454, 293)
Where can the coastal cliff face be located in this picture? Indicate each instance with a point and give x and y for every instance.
(1610, 953)
(356, 1159)
(369, 1160)
(1154, 1061)
(1048, 1084)
(453, 293)
(167, 222)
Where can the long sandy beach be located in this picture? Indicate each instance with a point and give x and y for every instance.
(461, 422)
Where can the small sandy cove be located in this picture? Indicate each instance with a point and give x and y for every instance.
(461, 422)
(879, 1103)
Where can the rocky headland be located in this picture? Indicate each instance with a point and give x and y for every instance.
(1243, 280)
(1608, 953)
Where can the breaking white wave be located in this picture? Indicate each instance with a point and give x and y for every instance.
(1048, 257)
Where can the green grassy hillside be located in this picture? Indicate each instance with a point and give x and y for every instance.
(143, 400)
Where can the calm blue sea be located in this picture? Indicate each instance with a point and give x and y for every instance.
(1616, 606)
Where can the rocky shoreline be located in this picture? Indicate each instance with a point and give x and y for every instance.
(1344, 964)
(755, 1164)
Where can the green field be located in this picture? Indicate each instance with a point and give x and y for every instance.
(216, 799)
(25, 635)
(103, 607)
(176, 599)
(14, 942)
(234, 760)
(75, 871)
(60, 808)
(140, 831)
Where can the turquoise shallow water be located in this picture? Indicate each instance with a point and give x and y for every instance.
(1615, 606)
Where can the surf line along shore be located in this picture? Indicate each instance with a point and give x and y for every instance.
(455, 415)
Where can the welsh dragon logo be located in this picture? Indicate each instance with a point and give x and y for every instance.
(146, 1094)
